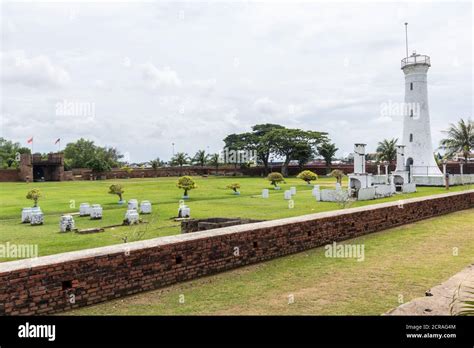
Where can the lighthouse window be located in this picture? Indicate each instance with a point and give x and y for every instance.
(411, 86)
(411, 138)
(411, 113)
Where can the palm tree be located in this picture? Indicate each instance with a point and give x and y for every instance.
(201, 158)
(460, 138)
(155, 164)
(327, 151)
(387, 151)
(180, 159)
(215, 160)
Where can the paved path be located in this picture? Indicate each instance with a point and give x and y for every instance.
(442, 296)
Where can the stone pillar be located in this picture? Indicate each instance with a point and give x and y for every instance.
(359, 158)
(378, 169)
(400, 158)
(386, 172)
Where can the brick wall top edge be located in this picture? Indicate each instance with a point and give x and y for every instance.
(10, 266)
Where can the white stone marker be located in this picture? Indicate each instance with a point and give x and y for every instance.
(131, 216)
(293, 190)
(265, 193)
(84, 209)
(316, 192)
(66, 223)
(133, 204)
(145, 207)
(96, 212)
(287, 194)
(26, 215)
(338, 186)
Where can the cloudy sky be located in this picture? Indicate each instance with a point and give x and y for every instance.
(141, 76)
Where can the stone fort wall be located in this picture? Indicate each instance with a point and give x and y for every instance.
(60, 282)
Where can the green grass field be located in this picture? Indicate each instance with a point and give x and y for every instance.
(210, 199)
(400, 264)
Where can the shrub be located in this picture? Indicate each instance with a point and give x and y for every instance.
(34, 195)
(307, 175)
(275, 178)
(338, 174)
(235, 186)
(116, 189)
(186, 183)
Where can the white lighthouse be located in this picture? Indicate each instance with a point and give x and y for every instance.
(418, 154)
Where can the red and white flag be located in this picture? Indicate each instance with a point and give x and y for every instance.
(30, 141)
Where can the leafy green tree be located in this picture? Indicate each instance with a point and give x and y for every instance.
(387, 150)
(263, 143)
(327, 151)
(186, 183)
(304, 153)
(460, 138)
(308, 176)
(9, 151)
(201, 158)
(98, 165)
(275, 178)
(117, 189)
(79, 153)
(35, 195)
(287, 142)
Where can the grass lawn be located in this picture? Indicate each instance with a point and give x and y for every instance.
(402, 263)
(210, 199)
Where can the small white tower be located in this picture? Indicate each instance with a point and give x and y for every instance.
(419, 158)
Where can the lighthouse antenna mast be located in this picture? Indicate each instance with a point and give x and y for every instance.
(406, 38)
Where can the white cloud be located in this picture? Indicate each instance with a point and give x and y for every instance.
(266, 106)
(156, 78)
(36, 71)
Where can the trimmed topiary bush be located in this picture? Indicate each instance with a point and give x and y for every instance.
(117, 189)
(308, 176)
(34, 195)
(234, 187)
(338, 174)
(275, 178)
(186, 183)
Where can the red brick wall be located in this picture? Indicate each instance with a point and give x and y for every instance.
(45, 285)
(9, 175)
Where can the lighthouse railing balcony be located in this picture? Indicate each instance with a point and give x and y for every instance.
(416, 59)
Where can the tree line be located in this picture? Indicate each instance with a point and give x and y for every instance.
(268, 141)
